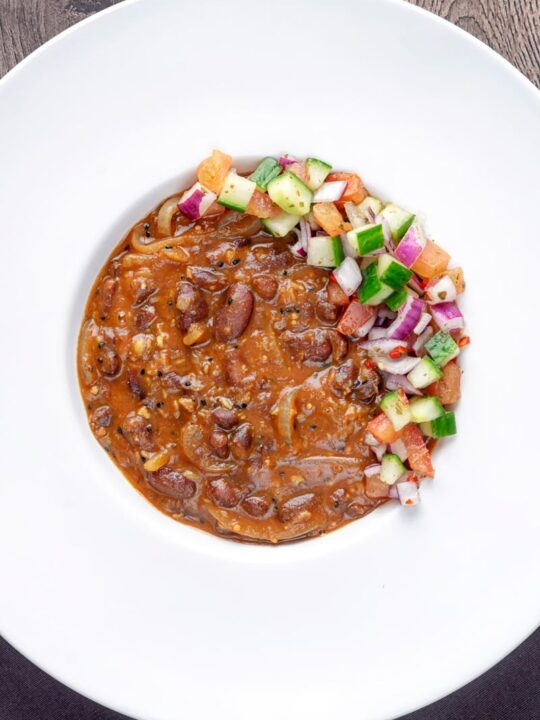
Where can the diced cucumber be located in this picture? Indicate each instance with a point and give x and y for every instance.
(397, 298)
(443, 426)
(391, 468)
(372, 290)
(266, 170)
(281, 224)
(366, 239)
(425, 373)
(370, 203)
(290, 193)
(317, 172)
(237, 192)
(324, 251)
(396, 408)
(392, 272)
(424, 409)
(442, 348)
(399, 220)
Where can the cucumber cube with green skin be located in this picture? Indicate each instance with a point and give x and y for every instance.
(370, 204)
(372, 291)
(324, 251)
(366, 239)
(391, 469)
(399, 220)
(424, 409)
(290, 194)
(442, 348)
(281, 224)
(237, 192)
(392, 272)
(396, 408)
(443, 426)
(424, 374)
(266, 170)
(396, 299)
(317, 172)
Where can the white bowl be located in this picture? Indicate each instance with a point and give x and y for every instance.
(154, 618)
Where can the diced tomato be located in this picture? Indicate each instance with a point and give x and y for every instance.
(456, 276)
(417, 452)
(382, 429)
(213, 170)
(299, 169)
(354, 192)
(448, 388)
(336, 295)
(330, 219)
(354, 317)
(261, 206)
(433, 261)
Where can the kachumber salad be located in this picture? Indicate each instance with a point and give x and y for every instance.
(270, 355)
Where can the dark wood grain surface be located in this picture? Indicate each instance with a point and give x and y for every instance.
(511, 27)
(507, 692)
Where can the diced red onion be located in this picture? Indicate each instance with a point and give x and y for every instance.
(424, 321)
(448, 316)
(348, 276)
(196, 201)
(388, 240)
(369, 439)
(393, 492)
(408, 493)
(399, 449)
(443, 290)
(354, 216)
(285, 160)
(421, 340)
(379, 451)
(411, 246)
(397, 382)
(408, 316)
(364, 329)
(376, 333)
(381, 346)
(298, 249)
(385, 312)
(371, 470)
(305, 230)
(348, 249)
(330, 191)
(397, 367)
(313, 224)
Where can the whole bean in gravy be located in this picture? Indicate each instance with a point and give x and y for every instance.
(213, 374)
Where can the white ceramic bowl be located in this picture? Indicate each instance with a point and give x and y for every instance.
(152, 617)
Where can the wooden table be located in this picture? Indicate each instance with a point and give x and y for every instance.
(507, 692)
(511, 27)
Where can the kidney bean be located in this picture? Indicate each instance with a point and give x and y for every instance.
(219, 442)
(224, 493)
(344, 377)
(310, 345)
(233, 318)
(234, 372)
(265, 285)
(241, 441)
(191, 304)
(108, 361)
(102, 416)
(172, 483)
(327, 312)
(298, 508)
(145, 317)
(207, 279)
(138, 431)
(135, 384)
(256, 505)
(225, 418)
(107, 291)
